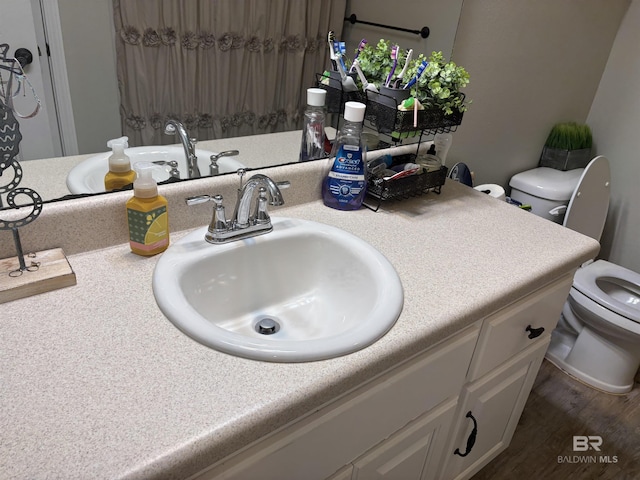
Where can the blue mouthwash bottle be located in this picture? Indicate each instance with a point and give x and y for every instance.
(345, 186)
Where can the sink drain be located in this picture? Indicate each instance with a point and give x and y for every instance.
(267, 326)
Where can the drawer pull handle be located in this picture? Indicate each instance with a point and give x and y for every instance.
(534, 332)
(472, 437)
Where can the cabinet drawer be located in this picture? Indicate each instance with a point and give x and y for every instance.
(321, 443)
(505, 333)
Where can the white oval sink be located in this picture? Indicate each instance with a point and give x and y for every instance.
(330, 292)
(88, 175)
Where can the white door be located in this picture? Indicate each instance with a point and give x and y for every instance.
(40, 134)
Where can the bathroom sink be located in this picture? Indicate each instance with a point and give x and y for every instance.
(88, 176)
(306, 291)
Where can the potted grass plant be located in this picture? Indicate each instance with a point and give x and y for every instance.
(567, 147)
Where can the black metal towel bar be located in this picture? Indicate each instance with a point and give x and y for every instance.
(423, 32)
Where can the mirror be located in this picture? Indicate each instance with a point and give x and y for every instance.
(87, 52)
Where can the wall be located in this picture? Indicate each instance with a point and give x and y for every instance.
(87, 32)
(533, 64)
(615, 120)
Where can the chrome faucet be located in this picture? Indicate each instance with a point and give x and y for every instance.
(243, 224)
(174, 126)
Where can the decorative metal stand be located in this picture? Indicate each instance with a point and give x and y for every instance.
(10, 138)
(51, 271)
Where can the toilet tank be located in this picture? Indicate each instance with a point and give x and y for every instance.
(545, 189)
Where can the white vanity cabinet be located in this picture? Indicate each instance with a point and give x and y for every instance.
(407, 423)
(319, 445)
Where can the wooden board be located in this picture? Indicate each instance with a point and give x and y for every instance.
(53, 272)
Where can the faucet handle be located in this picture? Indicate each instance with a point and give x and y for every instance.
(241, 173)
(219, 221)
(174, 172)
(198, 199)
(262, 217)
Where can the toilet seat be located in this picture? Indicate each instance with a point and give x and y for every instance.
(590, 281)
(601, 318)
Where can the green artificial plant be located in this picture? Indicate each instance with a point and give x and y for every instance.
(439, 85)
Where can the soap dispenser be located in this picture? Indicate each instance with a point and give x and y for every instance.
(147, 214)
(120, 173)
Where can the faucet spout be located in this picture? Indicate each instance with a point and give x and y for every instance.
(173, 127)
(245, 196)
(243, 224)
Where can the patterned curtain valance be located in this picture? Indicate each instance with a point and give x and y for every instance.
(189, 40)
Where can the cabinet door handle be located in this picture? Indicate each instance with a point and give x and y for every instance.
(534, 332)
(472, 437)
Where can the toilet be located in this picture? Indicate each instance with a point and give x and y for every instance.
(597, 339)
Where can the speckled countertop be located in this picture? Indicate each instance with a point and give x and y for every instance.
(97, 383)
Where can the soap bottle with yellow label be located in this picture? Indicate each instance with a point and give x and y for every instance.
(120, 173)
(147, 214)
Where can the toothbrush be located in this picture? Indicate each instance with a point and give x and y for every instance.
(365, 84)
(394, 57)
(421, 68)
(337, 48)
(332, 53)
(348, 83)
(343, 54)
(404, 70)
(363, 42)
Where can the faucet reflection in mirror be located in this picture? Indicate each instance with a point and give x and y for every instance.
(242, 224)
(176, 127)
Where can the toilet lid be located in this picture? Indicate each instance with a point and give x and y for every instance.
(587, 210)
(591, 280)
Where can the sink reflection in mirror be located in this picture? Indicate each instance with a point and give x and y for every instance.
(306, 291)
(88, 175)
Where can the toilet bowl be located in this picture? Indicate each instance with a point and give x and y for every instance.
(597, 339)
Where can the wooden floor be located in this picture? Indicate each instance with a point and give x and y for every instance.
(558, 408)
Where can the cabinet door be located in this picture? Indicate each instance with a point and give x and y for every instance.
(413, 453)
(489, 413)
